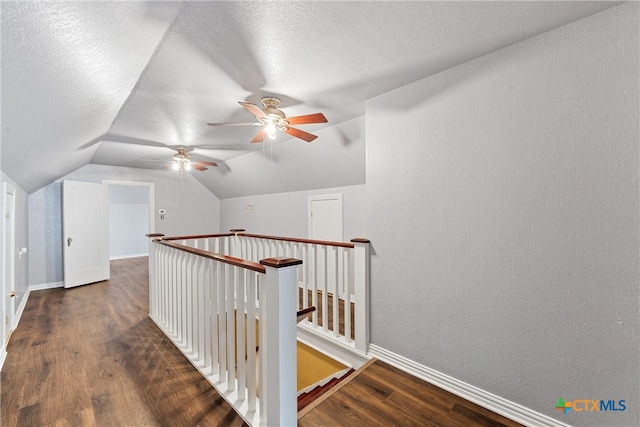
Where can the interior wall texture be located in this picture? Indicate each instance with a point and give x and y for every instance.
(21, 239)
(191, 209)
(503, 210)
(286, 214)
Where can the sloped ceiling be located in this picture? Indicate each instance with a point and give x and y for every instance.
(116, 82)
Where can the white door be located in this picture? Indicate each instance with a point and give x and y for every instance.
(325, 223)
(325, 217)
(85, 225)
(8, 261)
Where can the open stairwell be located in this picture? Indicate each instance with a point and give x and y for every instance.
(308, 397)
(205, 292)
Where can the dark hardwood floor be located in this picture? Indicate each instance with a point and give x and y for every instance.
(382, 395)
(90, 356)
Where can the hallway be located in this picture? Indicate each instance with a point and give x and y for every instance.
(90, 356)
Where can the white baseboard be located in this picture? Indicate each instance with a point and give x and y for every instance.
(20, 309)
(43, 286)
(127, 256)
(497, 404)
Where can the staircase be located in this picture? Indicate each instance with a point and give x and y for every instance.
(304, 399)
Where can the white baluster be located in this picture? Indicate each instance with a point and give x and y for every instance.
(231, 279)
(188, 304)
(222, 320)
(325, 289)
(215, 318)
(241, 347)
(333, 269)
(314, 287)
(347, 278)
(206, 315)
(251, 340)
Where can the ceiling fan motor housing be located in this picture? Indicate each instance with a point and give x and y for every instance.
(275, 115)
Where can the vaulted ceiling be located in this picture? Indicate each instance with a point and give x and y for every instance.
(115, 82)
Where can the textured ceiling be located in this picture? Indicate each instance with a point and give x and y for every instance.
(112, 82)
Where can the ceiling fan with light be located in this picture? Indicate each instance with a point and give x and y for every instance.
(273, 119)
(181, 161)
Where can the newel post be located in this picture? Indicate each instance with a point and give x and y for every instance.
(235, 249)
(361, 278)
(278, 360)
(152, 272)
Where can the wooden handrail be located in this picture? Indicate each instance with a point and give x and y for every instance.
(304, 313)
(360, 240)
(154, 235)
(198, 236)
(295, 240)
(250, 265)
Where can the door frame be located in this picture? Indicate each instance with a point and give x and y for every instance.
(8, 260)
(152, 200)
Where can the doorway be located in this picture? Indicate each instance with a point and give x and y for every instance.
(131, 216)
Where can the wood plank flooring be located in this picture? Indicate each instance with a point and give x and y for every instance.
(382, 395)
(90, 356)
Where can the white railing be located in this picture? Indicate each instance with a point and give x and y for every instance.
(213, 306)
(334, 278)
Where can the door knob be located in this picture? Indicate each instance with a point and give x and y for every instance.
(69, 240)
(12, 294)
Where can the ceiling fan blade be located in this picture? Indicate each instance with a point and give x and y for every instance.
(260, 136)
(253, 109)
(205, 163)
(234, 124)
(300, 134)
(197, 166)
(307, 119)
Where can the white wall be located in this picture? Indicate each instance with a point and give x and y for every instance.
(285, 214)
(191, 209)
(503, 208)
(128, 221)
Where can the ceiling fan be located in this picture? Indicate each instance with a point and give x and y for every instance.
(273, 119)
(181, 161)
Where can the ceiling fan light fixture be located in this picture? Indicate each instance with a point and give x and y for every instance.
(270, 129)
(175, 166)
(272, 120)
